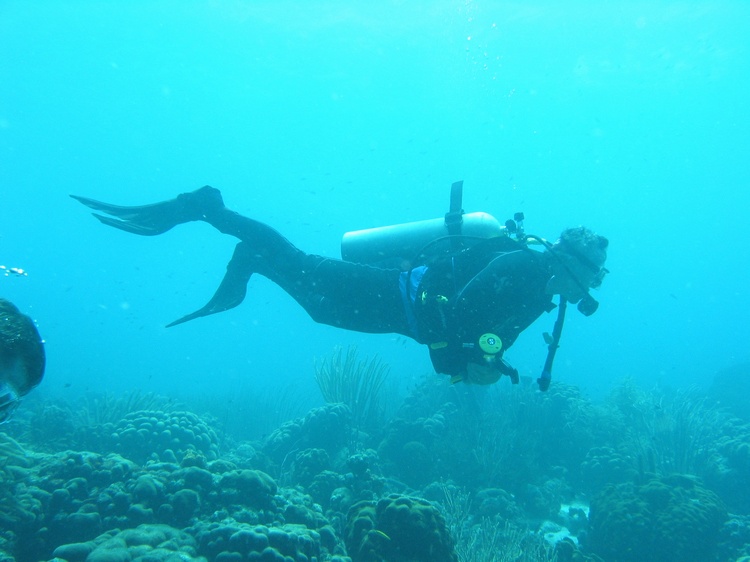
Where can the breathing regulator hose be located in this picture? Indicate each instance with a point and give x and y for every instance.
(546, 377)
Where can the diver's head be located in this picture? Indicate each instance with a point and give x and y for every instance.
(22, 357)
(577, 263)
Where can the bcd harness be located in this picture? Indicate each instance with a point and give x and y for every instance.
(438, 306)
(440, 324)
(431, 307)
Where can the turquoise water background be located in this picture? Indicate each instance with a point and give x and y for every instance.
(323, 117)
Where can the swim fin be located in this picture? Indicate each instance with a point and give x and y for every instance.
(157, 218)
(233, 287)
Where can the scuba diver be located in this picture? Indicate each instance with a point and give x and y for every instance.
(22, 357)
(467, 294)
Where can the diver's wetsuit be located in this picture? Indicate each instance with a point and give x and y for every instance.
(496, 286)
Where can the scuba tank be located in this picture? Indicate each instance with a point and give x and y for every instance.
(401, 242)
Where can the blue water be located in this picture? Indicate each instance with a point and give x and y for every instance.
(322, 117)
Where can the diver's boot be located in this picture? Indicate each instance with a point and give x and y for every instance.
(157, 218)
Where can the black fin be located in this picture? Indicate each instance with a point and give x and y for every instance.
(233, 287)
(157, 218)
(146, 220)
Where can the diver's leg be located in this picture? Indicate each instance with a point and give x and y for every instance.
(272, 254)
(334, 292)
(349, 295)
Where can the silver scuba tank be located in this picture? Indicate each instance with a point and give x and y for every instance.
(405, 241)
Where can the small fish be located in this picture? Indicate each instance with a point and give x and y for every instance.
(381, 534)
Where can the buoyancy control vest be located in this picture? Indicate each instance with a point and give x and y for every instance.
(453, 249)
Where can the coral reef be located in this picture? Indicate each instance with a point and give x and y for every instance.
(156, 435)
(505, 437)
(398, 529)
(249, 487)
(83, 500)
(667, 432)
(494, 474)
(229, 540)
(155, 543)
(361, 385)
(491, 541)
(605, 465)
(667, 518)
(85, 423)
(327, 428)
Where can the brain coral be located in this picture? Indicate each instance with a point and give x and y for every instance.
(326, 428)
(141, 434)
(249, 487)
(155, 543)
(229, 540)
(398, 529)
(667, 518)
